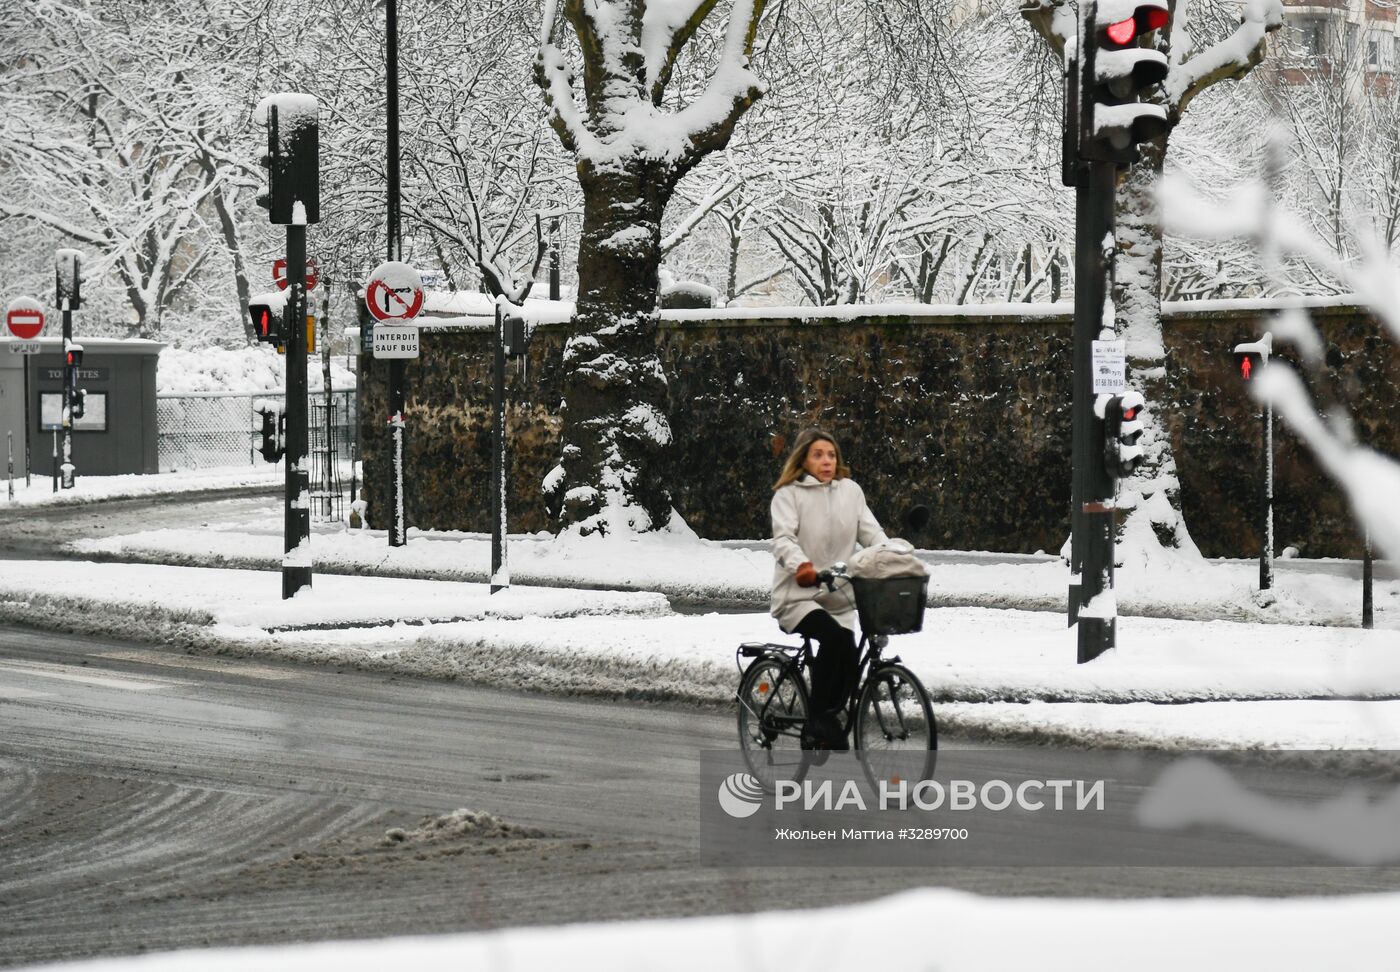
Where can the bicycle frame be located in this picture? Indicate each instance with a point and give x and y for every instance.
(794, 659)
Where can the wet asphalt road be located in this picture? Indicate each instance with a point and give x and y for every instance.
(154, 799)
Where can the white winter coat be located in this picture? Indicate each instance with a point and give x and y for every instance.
(820, 522)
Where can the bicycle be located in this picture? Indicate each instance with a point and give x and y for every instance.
(889, 708)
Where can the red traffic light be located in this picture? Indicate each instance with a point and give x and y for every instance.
(1246, 366)
(263, 322)
(1129, 414)
(1147, 16)
(1123, 31)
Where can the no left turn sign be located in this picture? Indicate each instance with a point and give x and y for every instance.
(394, 292)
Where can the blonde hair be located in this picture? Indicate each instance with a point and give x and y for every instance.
(793, 467)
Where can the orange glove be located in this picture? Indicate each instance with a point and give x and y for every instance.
(806, 575)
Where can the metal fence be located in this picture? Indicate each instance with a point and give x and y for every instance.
(200, 430)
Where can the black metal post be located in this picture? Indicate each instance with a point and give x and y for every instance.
(67, 471)
(1092, 491)
(28, 359)
(391, 49)
(1266, 513)
(327, 473)
(364, 360)
(498, 456)
(296, 560)
(398, 529)
(1368, 617)
(554, 289)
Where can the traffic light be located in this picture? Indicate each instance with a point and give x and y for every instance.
(274, 431)
(73, 356)
(78, 406)
(292, 161)
(1115, 69)
(1122, 422)
(68, 278)
(515, 336)
(1251, 357)
(266, 311)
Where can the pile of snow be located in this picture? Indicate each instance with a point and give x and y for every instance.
(256, 370)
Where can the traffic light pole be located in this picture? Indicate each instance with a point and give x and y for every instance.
(67, 471)
(498, 456)
(1266, 528)
(296, 561)
(1091, 604)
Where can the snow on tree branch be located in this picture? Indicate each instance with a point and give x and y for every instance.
(629, 50)
(1231, 57)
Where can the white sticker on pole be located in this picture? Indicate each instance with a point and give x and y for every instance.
(1110, 366)
(395, 341)
(394, 292)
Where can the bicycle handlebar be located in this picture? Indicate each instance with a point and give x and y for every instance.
(831, 575)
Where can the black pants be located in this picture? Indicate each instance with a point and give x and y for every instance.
(834, 669)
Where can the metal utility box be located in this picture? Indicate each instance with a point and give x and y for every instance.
(117, 434)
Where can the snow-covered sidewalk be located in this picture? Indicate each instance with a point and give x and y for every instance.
(933, 929)
(995, 672)
(96, 489)
(686, 566)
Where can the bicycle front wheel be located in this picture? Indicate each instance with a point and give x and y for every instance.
(772, 711)
(895, 735)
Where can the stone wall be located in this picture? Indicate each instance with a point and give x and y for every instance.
(966, 414)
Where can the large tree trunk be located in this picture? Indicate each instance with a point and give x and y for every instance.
(1151, 497)
(615, 426)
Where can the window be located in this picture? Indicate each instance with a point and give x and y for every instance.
(1314, 36)
(1373, 54)
(94, 412)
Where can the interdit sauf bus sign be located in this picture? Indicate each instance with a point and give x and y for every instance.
(1028, 807)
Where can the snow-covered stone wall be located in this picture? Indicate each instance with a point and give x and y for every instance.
(965, 412)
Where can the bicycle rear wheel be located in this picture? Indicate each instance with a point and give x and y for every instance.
(772, 711)
(896, 737)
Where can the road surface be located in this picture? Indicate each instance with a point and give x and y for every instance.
(151, 799)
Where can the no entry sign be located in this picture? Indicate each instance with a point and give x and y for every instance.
(279, 274)
(394, 292)
(25, 318)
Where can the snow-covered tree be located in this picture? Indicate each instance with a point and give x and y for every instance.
(641, 127)
(1151, 496)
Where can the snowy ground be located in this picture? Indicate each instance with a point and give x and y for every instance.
(94, 489)
(927, 929)
(686, 566)
(996, 672)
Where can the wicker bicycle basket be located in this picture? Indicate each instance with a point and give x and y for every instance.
(890, 605)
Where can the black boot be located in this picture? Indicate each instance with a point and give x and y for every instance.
(834, 733)
(814, 740)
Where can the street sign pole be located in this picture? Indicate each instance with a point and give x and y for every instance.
(394, 295)
(296, 539)
(398, 529)
(1092, 491)
(27, 467)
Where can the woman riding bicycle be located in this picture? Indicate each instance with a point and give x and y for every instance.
(819, 515)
